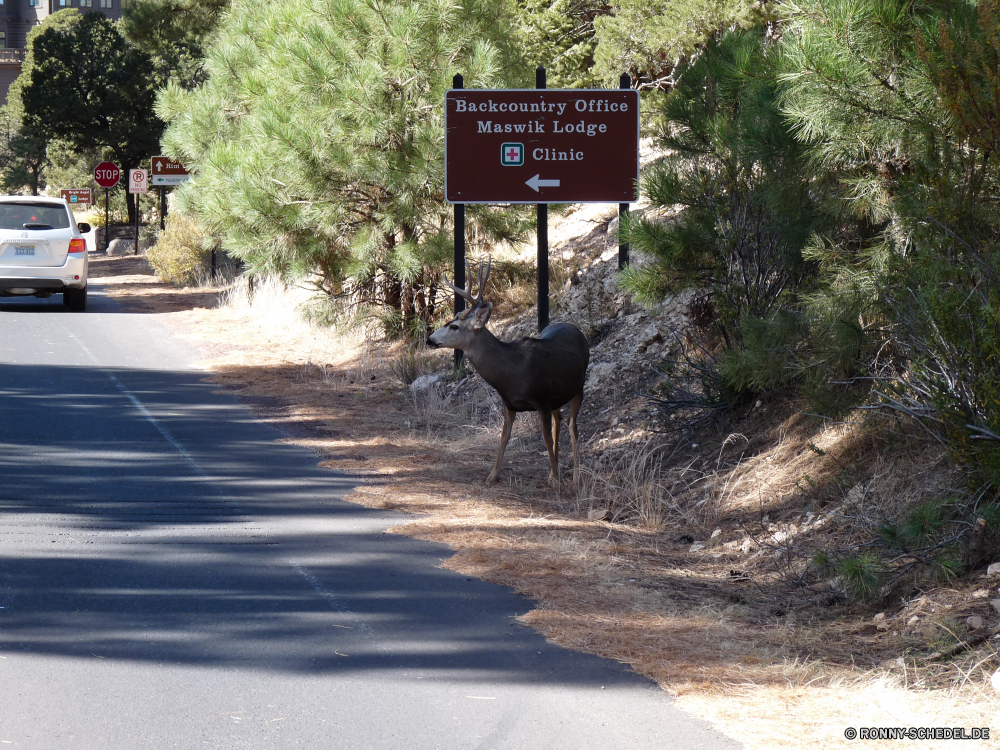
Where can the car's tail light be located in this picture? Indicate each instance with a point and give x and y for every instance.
(78, 246)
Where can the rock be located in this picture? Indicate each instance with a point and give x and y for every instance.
(879, 617)
(598, 514)
(927, 629)
(912, 621)
(855, 496)
(612, 236)
(119, 246)
(649, 337)
(697, 547)
(975, 622)
(995, 603)
(424, 382)
(980, 593)
(716, 533)
(995, 680)
(599, 372)
(993, 571)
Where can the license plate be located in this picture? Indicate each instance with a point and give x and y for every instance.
(24, 249)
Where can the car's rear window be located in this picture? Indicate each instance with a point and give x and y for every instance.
(16, 215)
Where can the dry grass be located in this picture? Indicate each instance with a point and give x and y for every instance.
(723, 628)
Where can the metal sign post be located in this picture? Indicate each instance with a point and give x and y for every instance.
(543, 238)
(625, 82)
(458, 82)
(138, 184)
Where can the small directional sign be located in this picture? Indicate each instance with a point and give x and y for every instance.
(573, 146)
(138, 181)
(75, 196)
(166, 171)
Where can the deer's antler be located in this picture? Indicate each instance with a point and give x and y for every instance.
(482, 279)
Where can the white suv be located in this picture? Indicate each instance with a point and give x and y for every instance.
(42, 251)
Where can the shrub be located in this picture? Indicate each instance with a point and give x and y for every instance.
(183, 253)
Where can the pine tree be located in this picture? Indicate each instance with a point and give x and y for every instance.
(559, 35)
(739, 175)
(318, 144)
(897, 99)
(649, 39)
(175, 33)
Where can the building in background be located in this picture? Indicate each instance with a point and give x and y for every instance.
(17, 17)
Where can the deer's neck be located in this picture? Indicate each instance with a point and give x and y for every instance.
(496, 361)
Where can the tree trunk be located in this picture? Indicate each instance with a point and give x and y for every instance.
(129, 201)
(407, 308)
(393, 292)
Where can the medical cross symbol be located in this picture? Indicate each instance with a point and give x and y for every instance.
(512, 154)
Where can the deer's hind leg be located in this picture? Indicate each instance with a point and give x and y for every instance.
(574, 408)
(549, 422)
(556, 422)
(508, 422)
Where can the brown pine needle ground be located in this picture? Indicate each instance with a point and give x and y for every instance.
(719, 628)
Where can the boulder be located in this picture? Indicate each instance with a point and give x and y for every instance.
(424, 382)
(120, 246)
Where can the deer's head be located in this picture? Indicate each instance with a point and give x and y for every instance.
(461, 331)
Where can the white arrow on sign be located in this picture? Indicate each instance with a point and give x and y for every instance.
(534, 183)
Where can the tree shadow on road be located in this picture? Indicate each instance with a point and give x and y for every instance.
(155, 520)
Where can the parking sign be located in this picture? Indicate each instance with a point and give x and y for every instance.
(138, 181)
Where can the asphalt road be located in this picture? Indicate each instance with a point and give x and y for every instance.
(171, 576)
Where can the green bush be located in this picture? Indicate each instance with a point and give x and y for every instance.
(183, 253)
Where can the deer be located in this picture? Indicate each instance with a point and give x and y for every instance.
(540, 373)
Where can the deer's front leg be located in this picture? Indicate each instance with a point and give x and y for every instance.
(508, 423)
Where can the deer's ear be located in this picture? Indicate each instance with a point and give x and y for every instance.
(481, 316)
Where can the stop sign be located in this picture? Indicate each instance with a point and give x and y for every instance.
(107, 174)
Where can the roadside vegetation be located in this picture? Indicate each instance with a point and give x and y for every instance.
(793, 420)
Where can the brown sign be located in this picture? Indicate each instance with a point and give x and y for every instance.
(541, 146)
(166, 171)
(73, 196)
